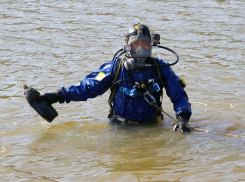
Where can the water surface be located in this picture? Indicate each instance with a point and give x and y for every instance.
(51, 44)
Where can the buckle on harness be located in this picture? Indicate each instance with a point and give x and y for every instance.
(147, 93)
(133, 93)
(156, 87)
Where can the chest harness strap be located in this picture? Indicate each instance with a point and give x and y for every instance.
(152, 87)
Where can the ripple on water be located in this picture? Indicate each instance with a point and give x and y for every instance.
(50, 44)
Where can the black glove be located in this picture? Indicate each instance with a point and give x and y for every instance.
(40, 104)
(44, 109)
(182, 124)
(54, 97)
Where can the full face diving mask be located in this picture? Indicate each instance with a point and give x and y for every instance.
(140, 45)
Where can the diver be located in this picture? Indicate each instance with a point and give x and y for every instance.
(136, 87)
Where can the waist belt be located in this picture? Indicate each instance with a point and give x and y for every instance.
(121, 120)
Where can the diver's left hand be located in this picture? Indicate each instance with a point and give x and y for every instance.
(182, 125)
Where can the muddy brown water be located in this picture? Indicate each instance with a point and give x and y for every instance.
(49, 44)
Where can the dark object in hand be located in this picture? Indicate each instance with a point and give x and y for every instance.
(40, 104)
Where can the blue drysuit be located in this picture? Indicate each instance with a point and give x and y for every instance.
(131, 107)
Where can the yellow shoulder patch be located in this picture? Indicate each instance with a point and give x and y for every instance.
(100, 76)
(182, 82)
(137, 27)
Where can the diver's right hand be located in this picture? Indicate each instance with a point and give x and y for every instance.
(40, 104)
(54, 97)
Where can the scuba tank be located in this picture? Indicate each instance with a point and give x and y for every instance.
(40, 104)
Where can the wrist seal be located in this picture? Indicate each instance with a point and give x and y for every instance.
(59, 96)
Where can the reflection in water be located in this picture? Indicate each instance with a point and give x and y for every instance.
(48, 45)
